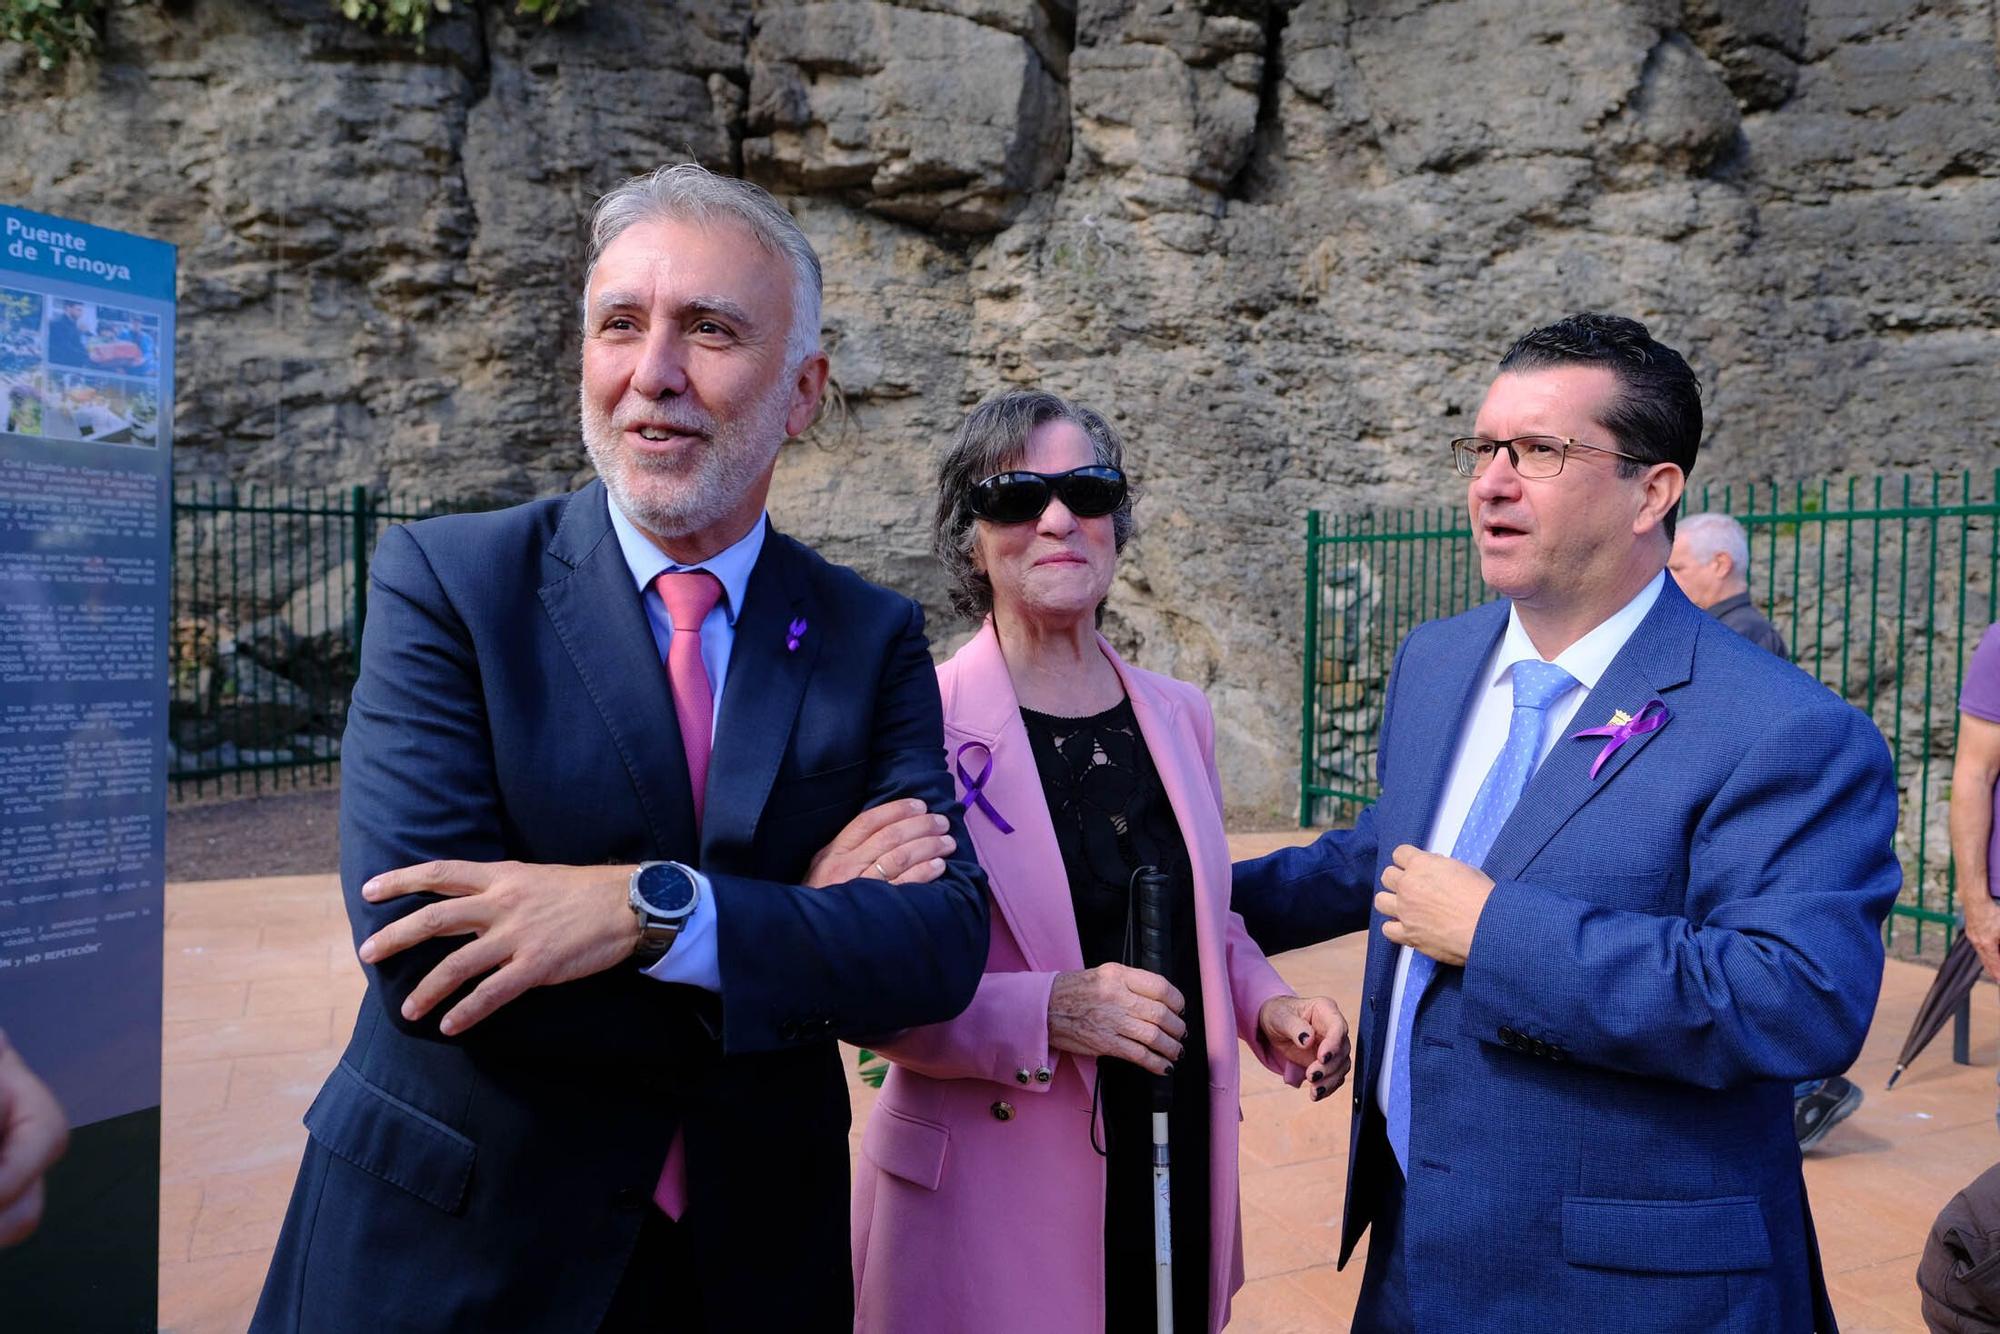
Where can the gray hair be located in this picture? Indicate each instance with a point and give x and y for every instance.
(690, 192)
(1711, 532)
(993, 438)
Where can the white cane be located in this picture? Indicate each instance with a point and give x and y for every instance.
(1151, 889)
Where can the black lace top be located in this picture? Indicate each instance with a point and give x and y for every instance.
(1112, 816)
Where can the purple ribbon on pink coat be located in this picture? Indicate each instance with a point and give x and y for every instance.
(974, 796)
(1646, 720)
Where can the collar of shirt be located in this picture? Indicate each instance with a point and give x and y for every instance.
(731, 566)
(1588, 657)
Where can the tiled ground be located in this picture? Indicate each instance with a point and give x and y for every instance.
(262, 986)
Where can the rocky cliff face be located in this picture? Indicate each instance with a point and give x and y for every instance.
(1281, 243)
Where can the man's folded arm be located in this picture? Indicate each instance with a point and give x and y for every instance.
(863, 957)
(1774, 973)
(418, 785)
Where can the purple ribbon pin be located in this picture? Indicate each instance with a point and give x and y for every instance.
(793, 633)
(1645, 721)
(974, 796)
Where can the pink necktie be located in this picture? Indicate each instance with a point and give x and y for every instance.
(689, 596)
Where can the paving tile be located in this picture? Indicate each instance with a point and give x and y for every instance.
(241, 1212)
(180, 1202)
(336, 991)
(281, 1086)
(257, 1035)
(191, 1088)
(204, 1000)
(214, 1296)
(190, 965)
(1279, 1305)
(1333, 1291)
(216, 1143)
(1882, 1296)
(1306, 1196)
(290, 933)
(1287, 1127)
(201, 938)
(1274, 1245)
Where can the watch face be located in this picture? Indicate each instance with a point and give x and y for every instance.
(666, 888)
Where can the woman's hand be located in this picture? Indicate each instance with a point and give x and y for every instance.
(1312, 1032)
(899, 841)
(1112, 1010)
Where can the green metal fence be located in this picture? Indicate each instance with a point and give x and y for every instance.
(270, 593)
(1881, 588)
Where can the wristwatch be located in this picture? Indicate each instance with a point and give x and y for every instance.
(663, 896)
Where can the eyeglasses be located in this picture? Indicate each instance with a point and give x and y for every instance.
(1536, 456)
(1020, 497)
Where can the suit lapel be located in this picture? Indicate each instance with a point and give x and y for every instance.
(981, 711)
(1181, 765)
(1655, 661)
(760, 700)
(600, 618)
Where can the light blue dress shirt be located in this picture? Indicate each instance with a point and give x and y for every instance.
(693, 959)
(1484, 732)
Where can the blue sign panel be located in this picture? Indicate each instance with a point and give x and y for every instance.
(86, 408)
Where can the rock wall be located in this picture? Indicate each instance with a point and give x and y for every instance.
(1281, 242)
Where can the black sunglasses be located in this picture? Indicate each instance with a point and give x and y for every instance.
(1020, 497)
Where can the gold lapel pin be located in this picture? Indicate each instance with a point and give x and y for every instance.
(1619, 719)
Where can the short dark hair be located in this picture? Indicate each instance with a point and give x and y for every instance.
(1657, 417)
(992, 438)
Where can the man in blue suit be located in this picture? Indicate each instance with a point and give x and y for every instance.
(594, 1082)
(1623, 887)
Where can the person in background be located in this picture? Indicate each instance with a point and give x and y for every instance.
(1974, 816)
(1711, 563)
(981, 1203)
(33, 1135)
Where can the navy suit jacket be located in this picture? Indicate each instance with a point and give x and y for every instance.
(1600, 1128)
(512, 705)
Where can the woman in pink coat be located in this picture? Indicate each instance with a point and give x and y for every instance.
(1005, 1181)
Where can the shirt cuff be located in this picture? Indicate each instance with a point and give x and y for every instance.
(693, 959)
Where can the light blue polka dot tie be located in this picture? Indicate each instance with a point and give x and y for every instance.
(1536, 686)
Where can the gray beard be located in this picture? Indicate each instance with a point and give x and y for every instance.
(673, 501)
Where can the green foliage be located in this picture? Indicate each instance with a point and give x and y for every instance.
(550, 11)
(411, 18)
(872, 1068)
(57, 29)
(398, 18)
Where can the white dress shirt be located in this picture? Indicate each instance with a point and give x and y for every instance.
(693, 958)
(1484, 732)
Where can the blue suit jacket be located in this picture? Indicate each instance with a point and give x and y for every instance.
(1601, 1132)
(512, 704)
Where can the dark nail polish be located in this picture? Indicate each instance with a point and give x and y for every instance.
(1317, 1075)
(1304, 1038)
(1320, 1093)
(1169, 1070)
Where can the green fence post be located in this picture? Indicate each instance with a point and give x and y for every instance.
(1307, 695)
(364, 529)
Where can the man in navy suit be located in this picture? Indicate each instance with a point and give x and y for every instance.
(594, 748)
(1624, 885)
